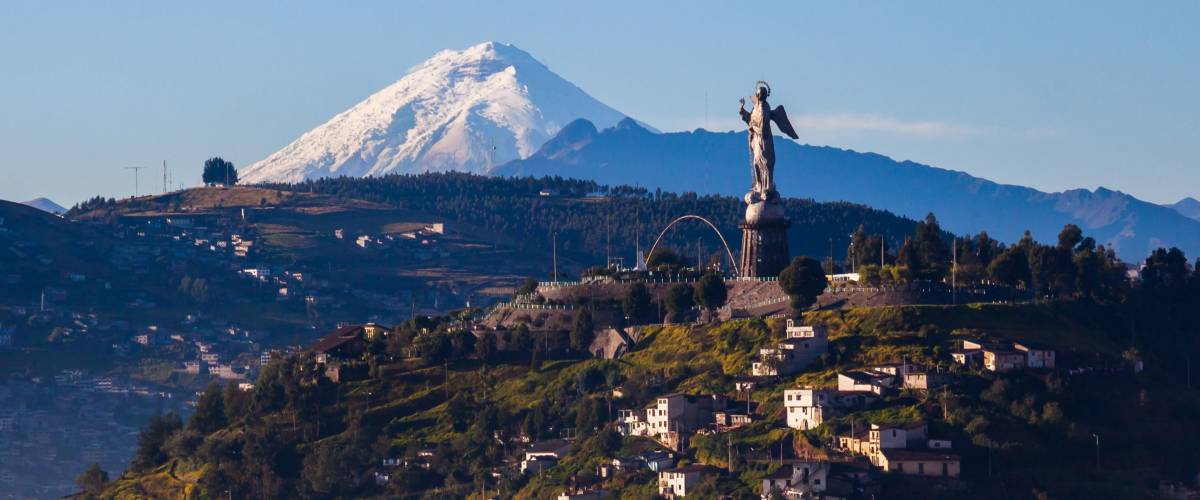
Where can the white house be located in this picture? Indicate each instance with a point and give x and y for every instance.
(1036, 356)
(803, 345)
(864, 381)
(797, 480)
(543, 455)
(808, 408)
(919, 462)
(677, 482)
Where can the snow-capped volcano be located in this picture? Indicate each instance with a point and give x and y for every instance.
(445, 114)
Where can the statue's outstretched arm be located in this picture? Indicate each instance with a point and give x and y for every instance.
(742, 111)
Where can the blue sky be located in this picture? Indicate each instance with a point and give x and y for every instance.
(1051, 95)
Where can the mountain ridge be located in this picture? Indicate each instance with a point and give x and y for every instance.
(715, 162)
(1189, 207)
(45, 205)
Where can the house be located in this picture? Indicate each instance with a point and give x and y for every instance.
(797, 480)
(657, 460)
(678, 481)
(1036, 356)
(675, 413)
(802, 346)
(919, 462)
(864, 381)
(734, 417)
(1003, 359)
(344, 343)
(922, 379)
(883, 437)
(808, 408)
(542, 455)
(671, 418)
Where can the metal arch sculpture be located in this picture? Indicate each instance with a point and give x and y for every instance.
(728, 252)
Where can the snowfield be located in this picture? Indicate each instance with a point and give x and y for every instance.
(445, 114)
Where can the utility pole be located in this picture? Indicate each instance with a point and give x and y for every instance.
(831, 256)
(954, 271)
(1097, 436)
(729, 451)
(554, 251)
(945, 409)
(881, 254)
(136, 172)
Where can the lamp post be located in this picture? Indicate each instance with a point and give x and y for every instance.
(1097, 437)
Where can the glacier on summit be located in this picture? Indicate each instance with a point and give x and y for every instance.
(468, 110)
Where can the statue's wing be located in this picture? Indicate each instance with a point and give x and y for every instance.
(781, 119)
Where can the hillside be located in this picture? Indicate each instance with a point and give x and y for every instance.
(593, 222)
(1010, 447)
(715, 162)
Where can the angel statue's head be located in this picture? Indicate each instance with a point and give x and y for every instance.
(762, 91)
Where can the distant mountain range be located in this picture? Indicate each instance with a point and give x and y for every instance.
(45, 205)
(716, 162)
(494, 109)
(1189, 207)
(463, 110)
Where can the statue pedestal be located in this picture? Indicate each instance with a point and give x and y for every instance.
(764, 240)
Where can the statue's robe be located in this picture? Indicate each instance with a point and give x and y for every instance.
(762, 145)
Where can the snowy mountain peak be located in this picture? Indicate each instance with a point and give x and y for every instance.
(467, 110)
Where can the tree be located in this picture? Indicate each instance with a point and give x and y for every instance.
(582, 333)
(1011, 267)
(664, 258)
(535, 359)
(522, 339)
(803, 281)
(636, 303)
(235, 401)
(711, 292)
(486, 347)
(586, 418)
(92, 480)
(219, 171)
(151, 441)
(527, 287)
(210, 410)
(679, 299)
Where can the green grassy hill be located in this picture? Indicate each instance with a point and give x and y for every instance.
(1020, 434)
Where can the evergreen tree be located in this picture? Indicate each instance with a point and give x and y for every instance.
(636, 303)
(679, 298)
(485, 348)
(209, 414)
(582, 332)
(711, 292)
(92, 480)
(151, 441)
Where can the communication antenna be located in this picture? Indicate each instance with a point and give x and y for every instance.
(136, 171)
(166, 183)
